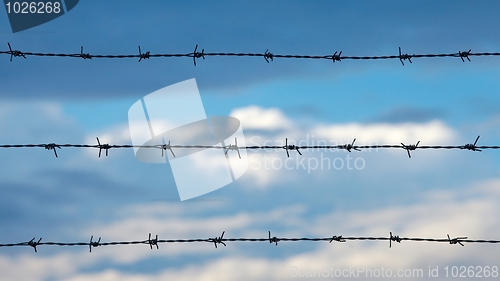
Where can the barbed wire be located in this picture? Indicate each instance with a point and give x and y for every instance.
(217, 241)
(267, 55)
(234, 147)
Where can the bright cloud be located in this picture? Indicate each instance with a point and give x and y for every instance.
(434, 132)
(430, 133)
(258, 118)
(433, 215)
(255, 117)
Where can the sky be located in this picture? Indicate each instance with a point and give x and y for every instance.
(437, 101)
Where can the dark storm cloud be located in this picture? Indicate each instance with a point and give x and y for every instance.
(409, 114)
(287, 27)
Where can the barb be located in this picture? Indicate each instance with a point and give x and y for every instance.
(197, 55)
(403, 57)
(33, 244)
(165, 147)
(14, 53)
(456, 240)
(274, 239)
(143, 55)
(393, 238)
(290, 147)
(287, 147)
(271, 239)
(84, 56)
(52, 146)
(105, 146)
(94, 244)
(234, 147)
(348, 147)
(336, 57)
(463, 55)
(337, 238)
(153, 242)
(410, 147)
(268, 56)
(472, 147)
(218, 240)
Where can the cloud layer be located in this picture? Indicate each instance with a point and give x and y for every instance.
(433, 215)
(118, 198)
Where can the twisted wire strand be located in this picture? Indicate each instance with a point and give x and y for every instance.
(220, 240)
(268, 56)
(234, 147)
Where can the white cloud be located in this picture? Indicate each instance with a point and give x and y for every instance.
(118, 134)
(434, 132)
(256, 117)
(466, 212)
(33, 267)
(277, 126)
(171, 224)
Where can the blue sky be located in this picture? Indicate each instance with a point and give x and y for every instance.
(437, 101)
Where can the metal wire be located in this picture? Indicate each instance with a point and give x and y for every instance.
(234, 147)
(271, 239)
(267, 55)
